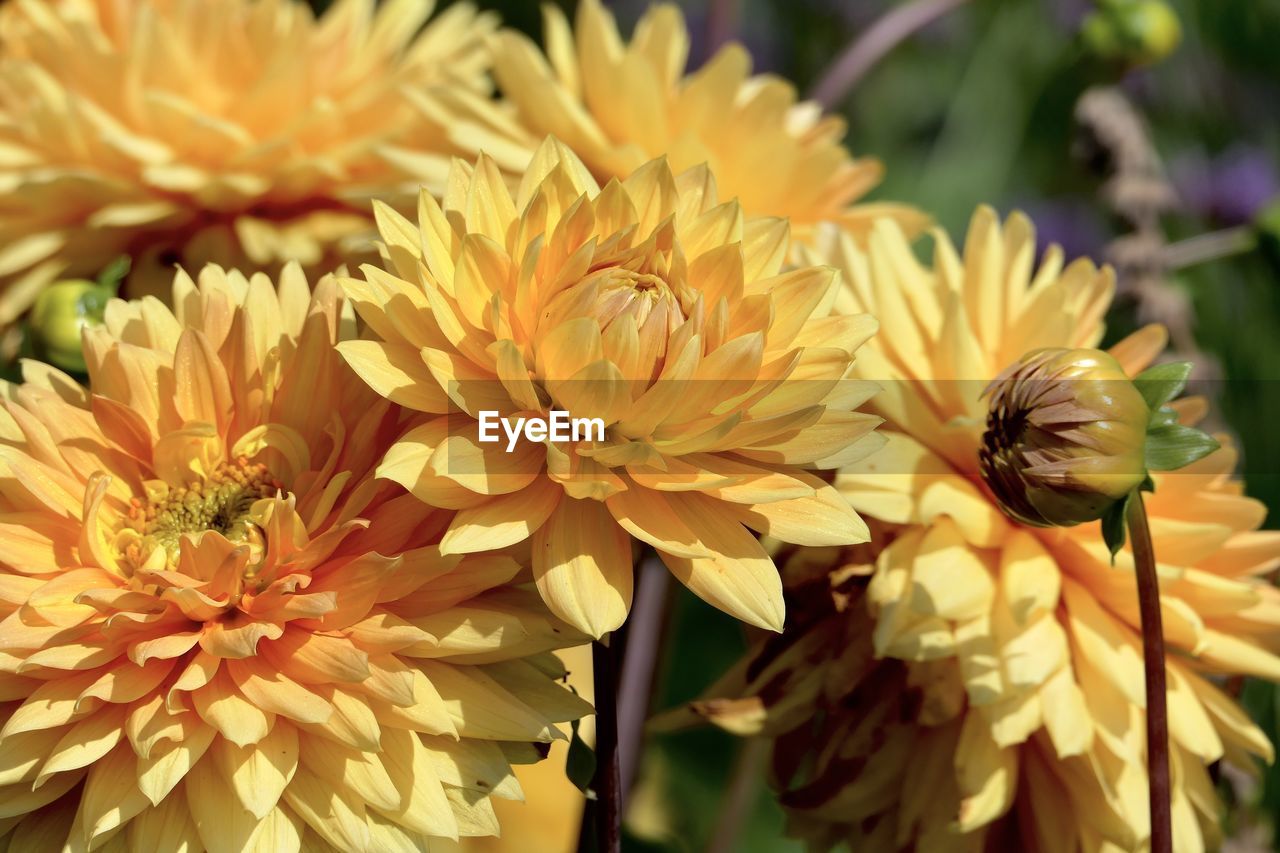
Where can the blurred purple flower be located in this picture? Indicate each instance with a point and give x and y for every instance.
(1230, 188)
(1070, 223)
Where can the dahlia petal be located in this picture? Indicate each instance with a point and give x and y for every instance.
(424, 808)
(167, 826)
(110, 797)
(978, 653)
(981, 523)
(220, 704)
(527, 677)
(582, 566)
(397, 372)
(165, 648)
(987, 775)
(1232, 723)
(203, 392)
(1138, 350)
(1029, 578)
(1066, 716)
(355, 585)
(949, 578)
(821, 520)
(126, 682)
(360, 772)
(36, 543)
(317, 658)
(22, 754)
(151, 722)
(21, 799)
(237, 639)
(1055, 829)
(481, 708)
(808, 441)
(50, 705)
(391, 679)
(1031, 654)
(484, 630)
(653, 519)
(503, 520)
(1100, 639)
(338, 819)
(160, 772)
(276, 693)
(386, 834)
(745, 587)
(475, 574)
(281, 831)
(1236, 654)
(45, 829)
(474, 813)
(473, 764)
(223, 824)
(48, 488)
(352, 722)
(1190, 726)
(426, 711)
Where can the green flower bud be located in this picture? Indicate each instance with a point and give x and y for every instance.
(64, 308)
(1066, 437)
(1136, 32)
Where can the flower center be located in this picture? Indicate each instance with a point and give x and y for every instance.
(220, 503)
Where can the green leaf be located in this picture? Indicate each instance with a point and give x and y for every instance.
(1174, 446)
(1113, 526)
(1161, 383)
(580, 763)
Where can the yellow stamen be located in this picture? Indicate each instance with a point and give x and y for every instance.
(220, 503)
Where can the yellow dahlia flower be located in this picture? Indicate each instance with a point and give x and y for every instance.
(220, 631)
(1022, 720)
(237, 132)
(707, 383)
(620, 105)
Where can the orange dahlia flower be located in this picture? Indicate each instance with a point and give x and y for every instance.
(619, 105)
(238, 132)
(970, 682)
(219, 630)
(711, 383)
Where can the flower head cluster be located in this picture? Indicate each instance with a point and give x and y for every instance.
(218, 629)
(620, 105)
(240, 133)
(717, 381)
(1001, 662)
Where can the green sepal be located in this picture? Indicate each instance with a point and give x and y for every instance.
(113, 273)
(1163, 382)
(1113, 526)
(1173, 446)
(1147, 485)
(580, 762)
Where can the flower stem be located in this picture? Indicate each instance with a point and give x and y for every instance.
(1144, 564)
(645, 632)
(875, 42)
(1213, 246)
(607, 784)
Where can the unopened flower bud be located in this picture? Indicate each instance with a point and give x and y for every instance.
(64, 308)
(1132, 32)
(1065, 439)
